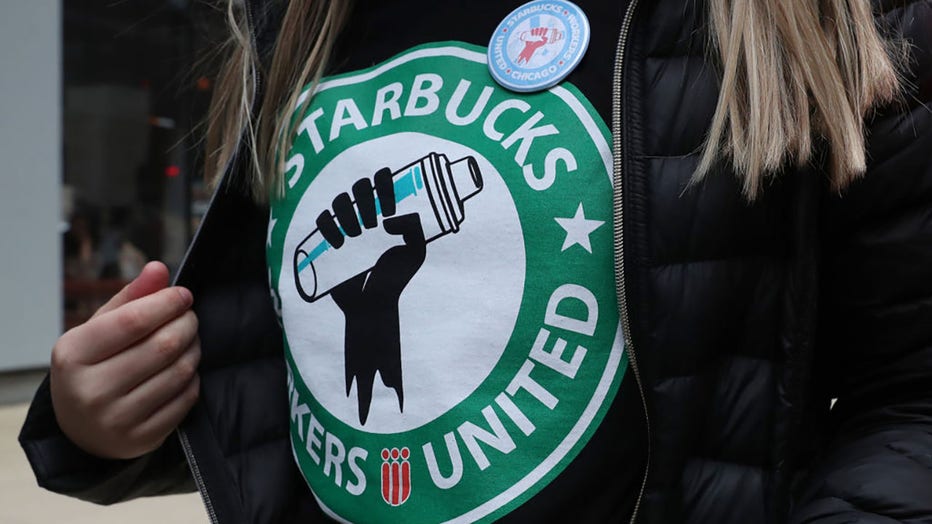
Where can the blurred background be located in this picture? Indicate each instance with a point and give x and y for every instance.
(101, 106)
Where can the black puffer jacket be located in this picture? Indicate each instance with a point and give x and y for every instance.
(745, 320)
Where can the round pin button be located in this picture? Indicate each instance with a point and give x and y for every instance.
(538, 44)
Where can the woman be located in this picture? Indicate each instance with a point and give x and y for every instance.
(442, 265)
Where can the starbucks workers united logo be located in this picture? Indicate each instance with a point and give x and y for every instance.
(442, 264)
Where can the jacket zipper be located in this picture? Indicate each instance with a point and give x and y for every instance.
(618, 220)
(198, 478)
(199, 482)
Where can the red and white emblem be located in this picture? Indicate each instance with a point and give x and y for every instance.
(396, 476)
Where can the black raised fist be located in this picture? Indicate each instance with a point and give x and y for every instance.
(369, 301)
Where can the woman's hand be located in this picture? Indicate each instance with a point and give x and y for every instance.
(122, 381)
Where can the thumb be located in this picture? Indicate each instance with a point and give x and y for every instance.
(154, 277)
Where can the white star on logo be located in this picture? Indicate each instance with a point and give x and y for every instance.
(272, 221)
(578, 229)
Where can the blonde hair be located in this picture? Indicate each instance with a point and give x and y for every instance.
(791, 70)
(309, 29)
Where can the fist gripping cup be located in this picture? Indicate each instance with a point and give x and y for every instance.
(433, 188)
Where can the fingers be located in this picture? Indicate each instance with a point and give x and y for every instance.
(385, 190)
(154, 277)
(127, 431)
(161, 349)
(351, 214)
(113, 331)
(346, 215)
(408, 226)
(135, 358)
(165, 419)
(365, 201)
(327, 226)
(162, 387)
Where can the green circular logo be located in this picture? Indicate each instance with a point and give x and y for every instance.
(442, 265)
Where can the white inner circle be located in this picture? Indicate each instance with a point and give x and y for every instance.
(456, 314)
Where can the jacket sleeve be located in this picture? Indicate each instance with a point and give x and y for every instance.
(875, 329)
(62, 467)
